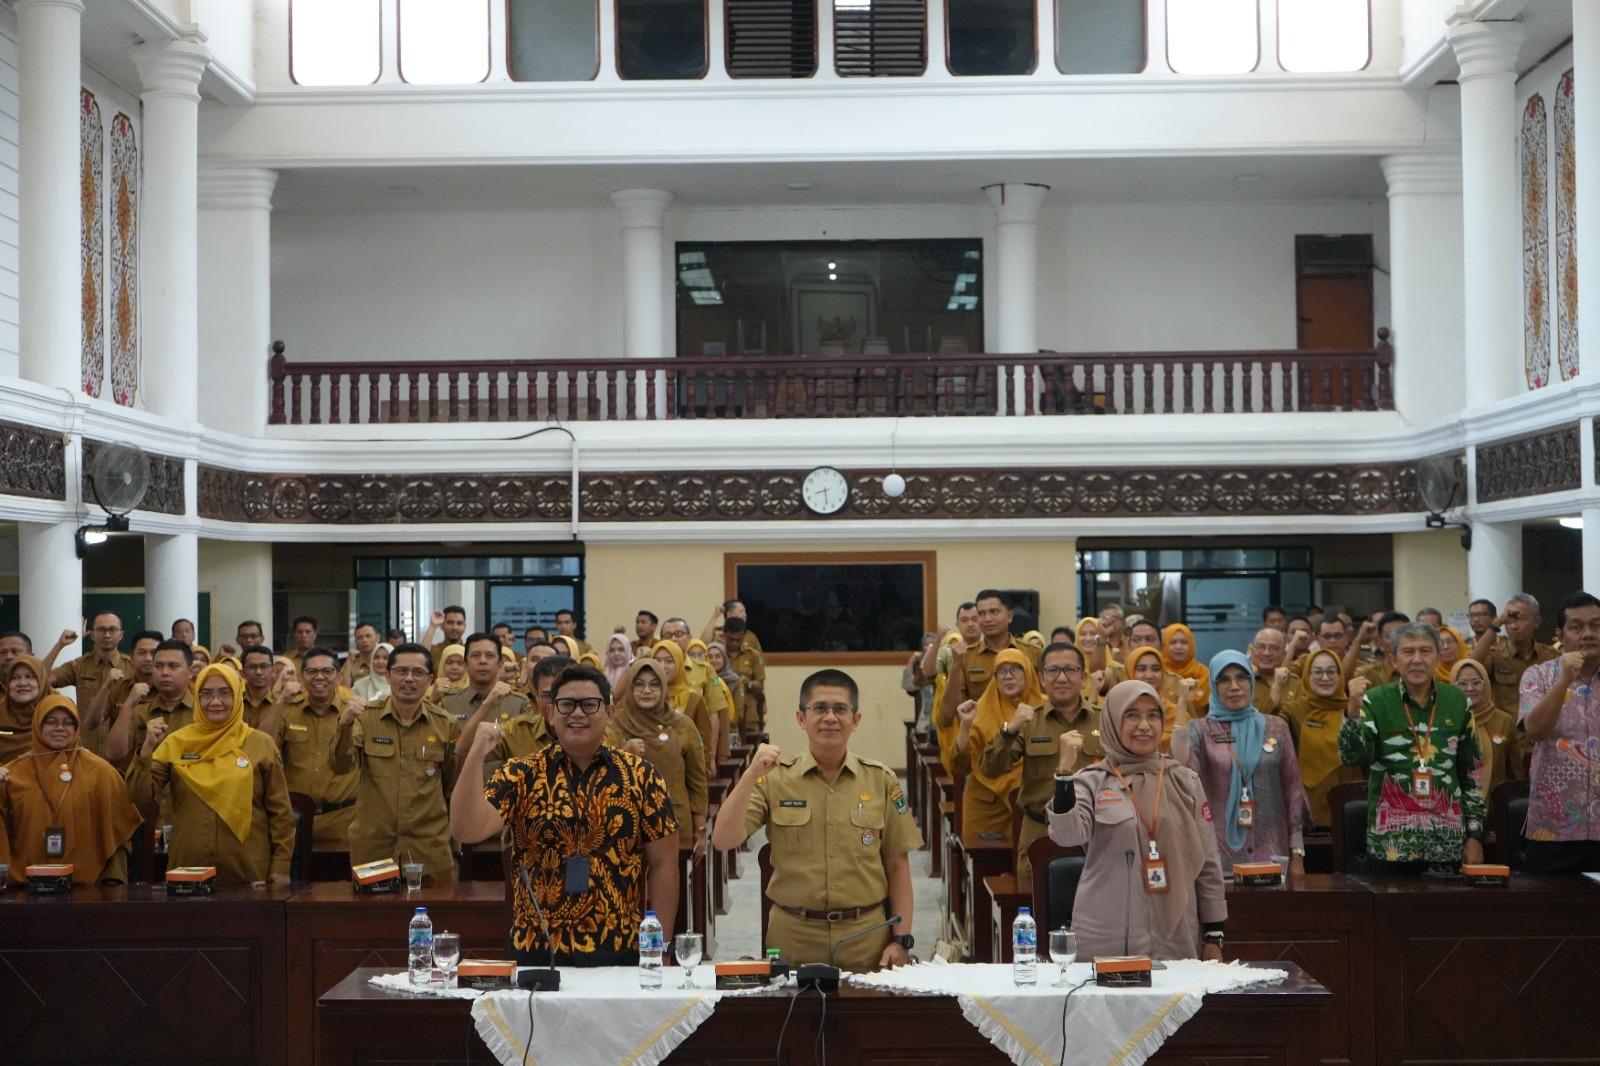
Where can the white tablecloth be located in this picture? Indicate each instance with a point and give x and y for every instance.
(1105, 1027)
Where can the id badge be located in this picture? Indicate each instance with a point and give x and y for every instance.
(1422, 783)
(1247, 813)
(1155, 871)
(577, 879)
(55, 842)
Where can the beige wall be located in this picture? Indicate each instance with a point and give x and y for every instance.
(239, 577)
(1430, 570)
(687, 579)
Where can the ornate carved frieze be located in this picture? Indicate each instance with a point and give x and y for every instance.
(1530, 465)
(765, 495)
(165, 494)
(33, 462)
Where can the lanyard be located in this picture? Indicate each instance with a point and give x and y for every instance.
(55, 808)
(1416, 742)
(1244, 785)
(1161, 781)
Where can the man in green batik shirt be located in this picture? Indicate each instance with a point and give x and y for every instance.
(1416, 738)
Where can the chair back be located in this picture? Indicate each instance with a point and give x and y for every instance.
(764, 861)
(1508, 818)
(1057, 870)
(1347, 803)
(305, 814)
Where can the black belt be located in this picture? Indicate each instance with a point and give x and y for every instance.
(843, 914)
(1036, 816)
(329, 808)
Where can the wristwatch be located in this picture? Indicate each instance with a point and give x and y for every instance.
(1299, 853)
(908, 941)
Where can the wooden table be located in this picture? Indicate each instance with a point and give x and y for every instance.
(127, 975)
(1273, 1026)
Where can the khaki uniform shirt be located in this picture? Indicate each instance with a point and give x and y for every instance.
(87, 675)
(150, 707)
(705, 680)
(980, 666)
(829, 841)
(1506, 668)
(752, 664)
(254, 709)
(406, 773)
(307, 740)
(750, 639)
(464, 704)
(1382, 673)
(527, 734)
(1038, 745)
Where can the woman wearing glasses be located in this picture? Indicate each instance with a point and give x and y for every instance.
(669, 742)
(1316, 710)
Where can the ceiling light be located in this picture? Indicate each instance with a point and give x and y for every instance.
(833, 266)
(797, 186)
(833, 277)
(1572, 523)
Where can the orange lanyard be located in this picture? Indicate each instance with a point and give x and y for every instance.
(1416, 743)
(1161, 780)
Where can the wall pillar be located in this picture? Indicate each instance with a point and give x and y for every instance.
(1430, 570)
(235, 296)
(1425, 283)
(646, 281)
(1013, 282)
(50, 292)
(49, 581)
(169, 252)
(1491, 237)
(1586, 135)
(238, 574)
(171, 579)
(1494, 565)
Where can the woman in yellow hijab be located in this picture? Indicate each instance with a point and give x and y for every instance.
(716, 667)
(984, 806)
(1316, 710)
(229, 800)
(1178, 658)
(685, 698)
(945, 734)
(1499, 741)
(1147, 665)
(1452, 649)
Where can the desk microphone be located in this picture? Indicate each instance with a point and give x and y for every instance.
(825, 977)
(1127, 906)
(536, 979)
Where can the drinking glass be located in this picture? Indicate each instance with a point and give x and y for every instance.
(413, 874)
(1063, 951)
(447, 956)
(687, 947)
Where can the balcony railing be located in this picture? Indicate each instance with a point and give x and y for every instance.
(1043, 383)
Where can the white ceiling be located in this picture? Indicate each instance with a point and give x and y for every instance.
(1157, 180)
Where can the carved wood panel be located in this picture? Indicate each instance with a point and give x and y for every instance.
(32, 462)
(1530, 465)
(165, 494)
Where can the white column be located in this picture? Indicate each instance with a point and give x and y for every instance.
(1491, 239)
(50, 291)
(238, 574)
(235, 296)
(1494, 565)
(1591, 549)
(1425, 283)
(1013, 274)
(49, 581)
(170, 74)
(1586, 137)
(646, 281)
(171, 579)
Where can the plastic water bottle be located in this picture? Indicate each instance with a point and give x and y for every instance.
(421, 941)
(1024, 950)
(651, 945)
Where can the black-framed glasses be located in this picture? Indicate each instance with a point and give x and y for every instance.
(589, 705)
(1062, 671)
(822, 710)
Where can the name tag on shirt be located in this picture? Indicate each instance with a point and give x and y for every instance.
(383, 740)
(791, 803)
(191, 756)
(297, 728)
(1108, 797)
(1043, 741)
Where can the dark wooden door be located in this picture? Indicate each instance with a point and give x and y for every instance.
(1335, 312)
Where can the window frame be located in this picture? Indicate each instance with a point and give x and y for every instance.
(1033, 67)
(1055, 43)
(378, 44)
(816, 45)
(705, 51)
(1277, 48)
(400, 47)
(511, 72)
(1255, 68)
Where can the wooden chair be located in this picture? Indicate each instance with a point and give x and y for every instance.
(1057, 871)
(1508, 817)
(1347, 803)
(305, 814)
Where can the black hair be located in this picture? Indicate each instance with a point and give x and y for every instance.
(147, 634)
(727, 605)
(498, 626)
(650, 615)
(534, 629)
(474, 638)
(566, 611)
(1579, 598)
(1273, 608)
(831, 678)
(1062, 629)
(1390, 618)
(104, 614)
(1330, 620)
(318, 652)
(580, 672)
(1144, 622)
(176, 622)
(395, 636)
(540, 644)
(177, 645)
(251, 622)
(257, 649)
(1493, 609)
(1064, 645)
(27, 641)
(367, 625)
(304, 618)
(455, 609)
(989, 594)
(970, 605)
(550, 666)
(411, 647)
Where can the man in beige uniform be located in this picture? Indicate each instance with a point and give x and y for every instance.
(167, 698)
(841, 834)
(1033, 735)
(700, 674)
(484, 660)
(88, 674)
(1509, 657)
(404, 748)
(307, 730)
(744, 655)
(452, 623)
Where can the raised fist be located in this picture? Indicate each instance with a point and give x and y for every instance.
(766, 759)
(1571, 663)
(153, 735)
(1071, 743)
(441, 689)
(1358, 687)
(141, 689)
(1097, 681)
(1368, 630)
(1299, 642)
(114, 677)
(967, 711)
(227, 649)
(1280, 677)
(635, 746)
(1187, 685)
(437, 618)
(1021, 719)
(499, 692)
(487, 736)
(943, 631)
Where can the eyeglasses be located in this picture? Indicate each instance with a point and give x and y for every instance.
(674, 634)
(822, 710)
(1008, 671)
(258, 666)
(409, 671)
(213, 695)
(1230, 680)
(589, 705)
(1470, 682)
(647, 682)
(108, 629)
(1326, 672)
(320, 671)
(1258, 646)
(1061, 671)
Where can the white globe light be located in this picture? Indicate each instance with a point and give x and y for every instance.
(894, 486)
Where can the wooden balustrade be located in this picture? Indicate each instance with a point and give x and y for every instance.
(1043, 383)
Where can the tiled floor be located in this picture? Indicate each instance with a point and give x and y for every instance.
(739, 931)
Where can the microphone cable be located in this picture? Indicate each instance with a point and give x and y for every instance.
(1064, 1000)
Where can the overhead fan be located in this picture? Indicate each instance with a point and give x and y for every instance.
(119, 476)
(1443, 488)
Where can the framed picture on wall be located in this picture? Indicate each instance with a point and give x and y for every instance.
(752, 337)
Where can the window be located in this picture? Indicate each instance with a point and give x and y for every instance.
(836, 608)
(662, 40)
(1100, 36)
(772, 38)
(880, 38)
(1319, 36)
(335, 42)
(444, 42)
(990, 36)
(1212, 36)
(552, 40)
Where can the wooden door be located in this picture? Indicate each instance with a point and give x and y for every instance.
(1334, 312)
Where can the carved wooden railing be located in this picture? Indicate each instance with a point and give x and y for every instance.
(1044, 383)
